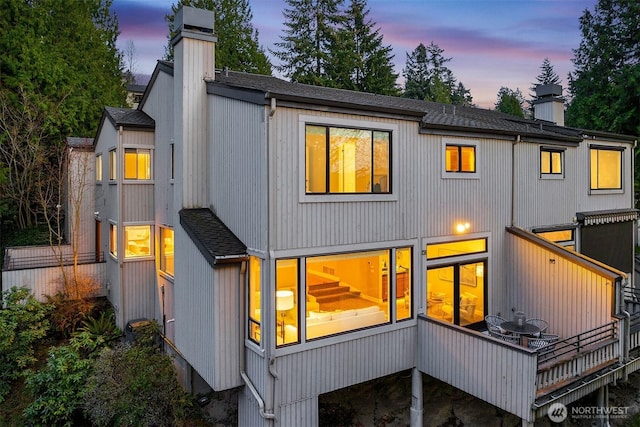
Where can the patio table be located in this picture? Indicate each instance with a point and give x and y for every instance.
(524, 331)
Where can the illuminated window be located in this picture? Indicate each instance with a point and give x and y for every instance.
(137, 163)
(113, 239)
(254, 299)
(450, 249)
(137, 241)
(562, 237)
(460, 158)
(166, 251)
(606, 168)
(113, 165)
(286, 301)
(99, 167)
(403, 283)
(345, 160)
(551, 161)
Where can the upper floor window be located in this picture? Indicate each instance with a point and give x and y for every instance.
(99, 167)
(137, 163)
(254, 299)
(172, 160)
(113, 165)
(166, 251)
(551, 161)
(460, 158)
(606, 168)
(341, 160)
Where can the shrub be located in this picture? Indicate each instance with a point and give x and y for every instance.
(135, 385)
(96, 333)
(23, 322)
(68, 314)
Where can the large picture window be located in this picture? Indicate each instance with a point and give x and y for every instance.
(605, 168)
(346, 160)
(166, 251)
(137, 163)
(343, 292)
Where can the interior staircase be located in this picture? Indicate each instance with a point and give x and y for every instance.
(331, 292)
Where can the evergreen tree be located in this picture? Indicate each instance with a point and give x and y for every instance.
(238, 49)
(358, 60)
(59, 67)
(427, 77)
(510, 102)
(547, 76)
(310, 30)
(603, 86)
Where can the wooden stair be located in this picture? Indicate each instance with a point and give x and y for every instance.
(330, 292)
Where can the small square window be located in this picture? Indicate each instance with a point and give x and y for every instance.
(460, 158)
(605, 168)
(551, 162)
(137, 240)
(137, 164)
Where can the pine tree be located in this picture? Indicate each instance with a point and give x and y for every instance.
(547, 76)
(238, 49)
(358, 59)
(310, 29)
(427, 77)
(510, 101)
(603, 86)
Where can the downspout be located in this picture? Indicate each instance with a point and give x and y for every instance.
(241, 305)
(120, 229)
(626, 329)
(513, 180)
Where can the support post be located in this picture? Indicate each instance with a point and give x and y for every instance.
(417, 408)
(603, 404)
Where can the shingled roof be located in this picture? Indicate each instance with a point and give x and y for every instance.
(432, 115)
(212, 237)
(129, 118)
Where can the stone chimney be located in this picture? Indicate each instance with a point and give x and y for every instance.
(550, 105)
(194, 61)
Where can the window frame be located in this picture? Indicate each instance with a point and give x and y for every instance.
(304, 197)
(608, 190)
(300, 304)
(459, 142)
(137, 150)
(162, 254)
(99, 170)
(143, 256)
(113, 165)
(550, 151)
(113, 239)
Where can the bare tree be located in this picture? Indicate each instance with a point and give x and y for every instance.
(130, 62)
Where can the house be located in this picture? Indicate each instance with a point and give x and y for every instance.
(293, 240)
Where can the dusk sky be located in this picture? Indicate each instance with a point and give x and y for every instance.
(491, 43)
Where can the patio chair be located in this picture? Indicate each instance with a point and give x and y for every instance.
(493, 323)
(513, 339)
(546, 341)
(542, 324)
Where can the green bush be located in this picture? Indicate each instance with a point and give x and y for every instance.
(23, 323)
(57, 387)
(68, 314)
(135, 385)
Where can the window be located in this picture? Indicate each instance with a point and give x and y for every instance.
(113, 239)
(99, 167)
(254, 299)
(172, 160)
(551, 161)
(456, 290)
(138, 241)
(563, 237)
(346, 160)
(113, 165)
(460, 158)
(343, 292)
(137, 163)
(166, 251)
(606, 168)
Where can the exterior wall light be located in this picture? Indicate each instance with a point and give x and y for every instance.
(462, 227)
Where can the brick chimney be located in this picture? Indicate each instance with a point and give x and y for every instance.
(194, 60)
(550, 105)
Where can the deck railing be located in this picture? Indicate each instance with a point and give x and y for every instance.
(561, 362)
(51, 260)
